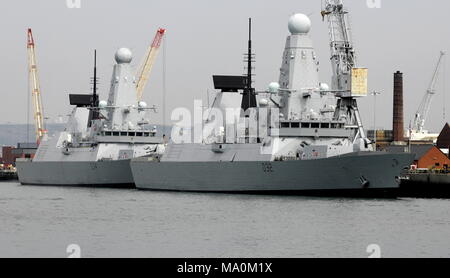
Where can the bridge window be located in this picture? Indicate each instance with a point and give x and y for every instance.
(305, 125)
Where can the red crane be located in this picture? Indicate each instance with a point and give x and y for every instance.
(152, 53)
(35, 89)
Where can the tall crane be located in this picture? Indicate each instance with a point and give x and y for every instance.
(35, 89)
(342, 53)
(152, 53)
(348, 82)
(424, 108)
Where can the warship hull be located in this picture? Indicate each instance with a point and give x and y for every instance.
(356, 174)
(115, 173)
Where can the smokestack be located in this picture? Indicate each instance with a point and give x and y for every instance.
(398, 125)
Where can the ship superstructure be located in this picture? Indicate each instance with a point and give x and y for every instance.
(100, 139)
(301, 137)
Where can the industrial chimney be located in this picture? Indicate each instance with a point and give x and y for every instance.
(398, 125)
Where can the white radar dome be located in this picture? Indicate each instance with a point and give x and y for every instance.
(263, 102)
(299, 24)
(124, 56)
(324, 87)
(102, 104)
(274, 87)
(142, 104)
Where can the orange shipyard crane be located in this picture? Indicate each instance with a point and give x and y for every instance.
(152, 53)
(35, 89)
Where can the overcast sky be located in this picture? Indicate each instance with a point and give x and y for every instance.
(207, 37)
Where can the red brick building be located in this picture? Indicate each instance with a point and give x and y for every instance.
(23, 150)
(433, 158)
(426, 156)
(7, 156)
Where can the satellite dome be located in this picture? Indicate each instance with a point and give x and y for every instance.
(263, 102)
(102, 104)
(124, 56)
(324, 87)
(274, 87)
(299, 24)
(142, 104)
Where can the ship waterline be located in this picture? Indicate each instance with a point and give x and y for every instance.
(365, 172)
(316, 143)
(114, 173)
(99, 140)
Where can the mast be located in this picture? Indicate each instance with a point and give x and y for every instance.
(94, 114)
(249, 96)
(94, 90)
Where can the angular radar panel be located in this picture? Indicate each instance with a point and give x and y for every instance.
(81, 100)
(229, 83)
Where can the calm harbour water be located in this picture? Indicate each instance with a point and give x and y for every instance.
(43, 221)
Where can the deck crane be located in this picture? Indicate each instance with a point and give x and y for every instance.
(147, 66)
(348, 81)
(35, 89)
(422, 113)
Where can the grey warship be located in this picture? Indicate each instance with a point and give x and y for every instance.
(100, 139)
(315, 143)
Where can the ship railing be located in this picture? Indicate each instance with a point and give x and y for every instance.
(430, 171)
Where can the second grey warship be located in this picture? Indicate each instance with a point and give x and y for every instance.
(315, 143)
(100, 139)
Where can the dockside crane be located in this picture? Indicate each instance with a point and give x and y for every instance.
(424, 108)
(348, 82)
(152, 53)
(35, 89)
